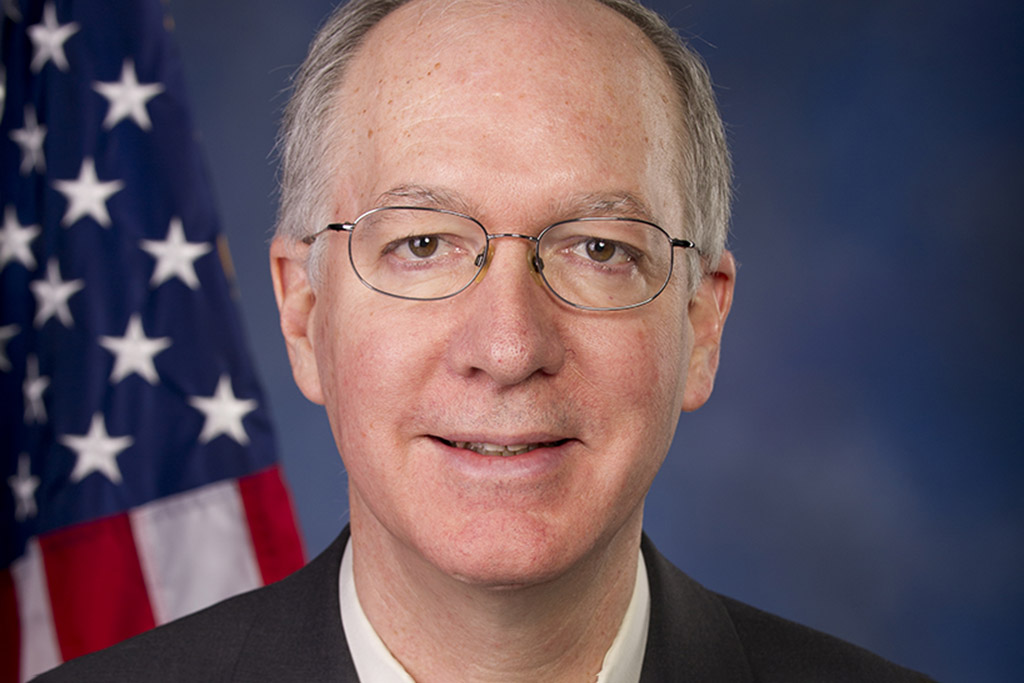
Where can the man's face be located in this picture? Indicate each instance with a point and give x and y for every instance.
(519, 116)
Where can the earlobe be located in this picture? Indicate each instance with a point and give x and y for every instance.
(295, 303)
(708, 310)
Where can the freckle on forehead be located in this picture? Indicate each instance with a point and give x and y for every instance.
(424, 70)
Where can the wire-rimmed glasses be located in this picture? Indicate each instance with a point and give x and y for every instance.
(425, 254)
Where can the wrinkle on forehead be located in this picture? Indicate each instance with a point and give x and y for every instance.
(618, 204)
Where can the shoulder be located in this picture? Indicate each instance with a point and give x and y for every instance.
(737, 642)
(198, 647)
(781, 650)
(260, 630)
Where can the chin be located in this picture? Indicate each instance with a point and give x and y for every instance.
(507, 552)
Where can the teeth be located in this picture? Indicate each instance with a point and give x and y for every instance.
(497, 449)
(501, 450)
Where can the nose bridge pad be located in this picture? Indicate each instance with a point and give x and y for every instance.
(537, 268)
(483, 261)
(533, 260)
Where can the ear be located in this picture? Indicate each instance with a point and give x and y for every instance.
(295, 303)
(708, 310)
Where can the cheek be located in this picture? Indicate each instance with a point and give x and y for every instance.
(630, 380)
(642, 393)
(340, 353)
(351, 374)
(641, 367)
(372, 362)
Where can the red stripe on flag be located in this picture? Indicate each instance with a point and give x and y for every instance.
(97, 592)
(10, 637)
(275, 538)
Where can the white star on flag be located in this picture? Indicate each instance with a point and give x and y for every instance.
(96, 451)
(134, 352)
(52, 295)
(48, 39)
(224, 412)
(128, 97)
(24, 486)
(175, 257)
(14, 240)
(87, 195)
(30, 139)
(33, 388)
(7, 332)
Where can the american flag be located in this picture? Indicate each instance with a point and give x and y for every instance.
(139, 479)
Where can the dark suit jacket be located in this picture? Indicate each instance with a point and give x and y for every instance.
(291, 631)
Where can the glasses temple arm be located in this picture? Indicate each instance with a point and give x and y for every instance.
(336, 227)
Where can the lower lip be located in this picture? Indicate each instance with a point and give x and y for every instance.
(538, 462)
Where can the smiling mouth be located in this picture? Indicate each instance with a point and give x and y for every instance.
(501, 450)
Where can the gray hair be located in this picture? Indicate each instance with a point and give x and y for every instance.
(306, 132)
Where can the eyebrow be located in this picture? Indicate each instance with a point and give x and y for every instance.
(422, 195)
(624, 204)
(619, 204)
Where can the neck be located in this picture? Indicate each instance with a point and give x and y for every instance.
(443, 628)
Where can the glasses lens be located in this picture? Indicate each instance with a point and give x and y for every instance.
(416, 253)
(606, 263)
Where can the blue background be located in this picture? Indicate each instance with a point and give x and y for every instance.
(859, 466)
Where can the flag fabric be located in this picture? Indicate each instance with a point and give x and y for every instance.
(138, 478)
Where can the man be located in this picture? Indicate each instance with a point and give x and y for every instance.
(500, 267)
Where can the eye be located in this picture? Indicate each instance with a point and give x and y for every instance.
(600, 250)
(422, 246)
(604, 251)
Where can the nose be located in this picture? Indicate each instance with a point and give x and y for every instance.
(508, 324)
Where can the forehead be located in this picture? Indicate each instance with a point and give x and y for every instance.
(488, 34)
(517, 85)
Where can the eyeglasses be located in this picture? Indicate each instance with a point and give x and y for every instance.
(426, 254)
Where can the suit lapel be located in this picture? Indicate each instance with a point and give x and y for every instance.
(690, 637)
(299, 636)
